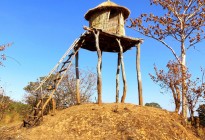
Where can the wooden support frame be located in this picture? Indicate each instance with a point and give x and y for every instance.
(99, 66)
(123, 72)
(77, 78)
(139, 77)
(118, 77)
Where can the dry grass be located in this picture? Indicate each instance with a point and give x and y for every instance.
(106, 122)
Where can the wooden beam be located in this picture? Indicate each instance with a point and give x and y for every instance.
(77, 78)
(123, 72)
(139, 77)
(99, 66)
(118, 77)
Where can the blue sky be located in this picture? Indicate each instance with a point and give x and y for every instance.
(42, 30)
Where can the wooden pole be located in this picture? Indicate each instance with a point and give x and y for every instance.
(99, 66)
(123, 72)
(139, 77)
(53, 106)
(77, 78)
(41, 102)
(117, 78)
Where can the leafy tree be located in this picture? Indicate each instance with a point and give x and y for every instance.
(153, 104)
(201, 112)
(196, 89)
(182, 21)
(170, 81)
(66, 92)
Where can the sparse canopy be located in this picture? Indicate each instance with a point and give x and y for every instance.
(183, 20)
(2, 48)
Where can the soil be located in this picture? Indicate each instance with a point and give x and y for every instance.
(104, 122)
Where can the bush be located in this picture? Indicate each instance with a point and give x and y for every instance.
(201, 112)
(156, 105)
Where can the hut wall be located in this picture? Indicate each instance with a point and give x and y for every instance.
(99, 20)
(111, 21)
(122, 25)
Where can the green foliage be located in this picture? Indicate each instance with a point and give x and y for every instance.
(11, 111)
(19, 108)
(65, 94)
(201, 112)
(153, 104)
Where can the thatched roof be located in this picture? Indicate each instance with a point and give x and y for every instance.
(107, 41)
(108, 5)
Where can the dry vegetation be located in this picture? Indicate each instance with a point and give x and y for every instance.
(108, 121)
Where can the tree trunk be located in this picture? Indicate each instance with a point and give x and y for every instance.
(178, 98)
(99, 66)
(192, 116)
(123, 73)
(77, 79)
(139, 77)
(184, 86)
(117, 78)
(174, 95)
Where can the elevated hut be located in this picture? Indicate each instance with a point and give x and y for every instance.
(106, 33)
(109, 17)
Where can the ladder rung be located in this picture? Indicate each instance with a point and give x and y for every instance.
(35, 108)
(62, 70)
(53, 88)
(71, 54)
(66, 62)
(33, 116)
(56, 79)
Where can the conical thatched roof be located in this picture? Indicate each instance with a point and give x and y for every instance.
(107, 5)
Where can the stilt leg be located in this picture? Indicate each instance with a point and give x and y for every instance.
(77, 78)
(99, 66)
(123, 73)
(139, 78)
(117, 78)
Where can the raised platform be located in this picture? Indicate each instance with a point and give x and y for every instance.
(107, 41)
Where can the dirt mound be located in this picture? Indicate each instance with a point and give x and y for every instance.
(109, 122)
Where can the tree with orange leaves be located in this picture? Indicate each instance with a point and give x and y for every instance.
(182, 21)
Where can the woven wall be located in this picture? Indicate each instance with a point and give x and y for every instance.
(111, 21)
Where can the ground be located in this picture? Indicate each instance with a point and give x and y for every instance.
(104, 122)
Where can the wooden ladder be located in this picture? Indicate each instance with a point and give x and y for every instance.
(59, 71)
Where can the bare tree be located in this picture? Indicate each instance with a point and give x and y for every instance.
(183, 21)
(66, 92)
(2, 48)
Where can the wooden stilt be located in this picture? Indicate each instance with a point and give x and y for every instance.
(77, 79)
(42, 102)
(53, 106)
(123, 73)
(118, 78)
(139, 78)
(99, 66)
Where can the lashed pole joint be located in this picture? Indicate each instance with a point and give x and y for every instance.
(123, 72)
(99, 66)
